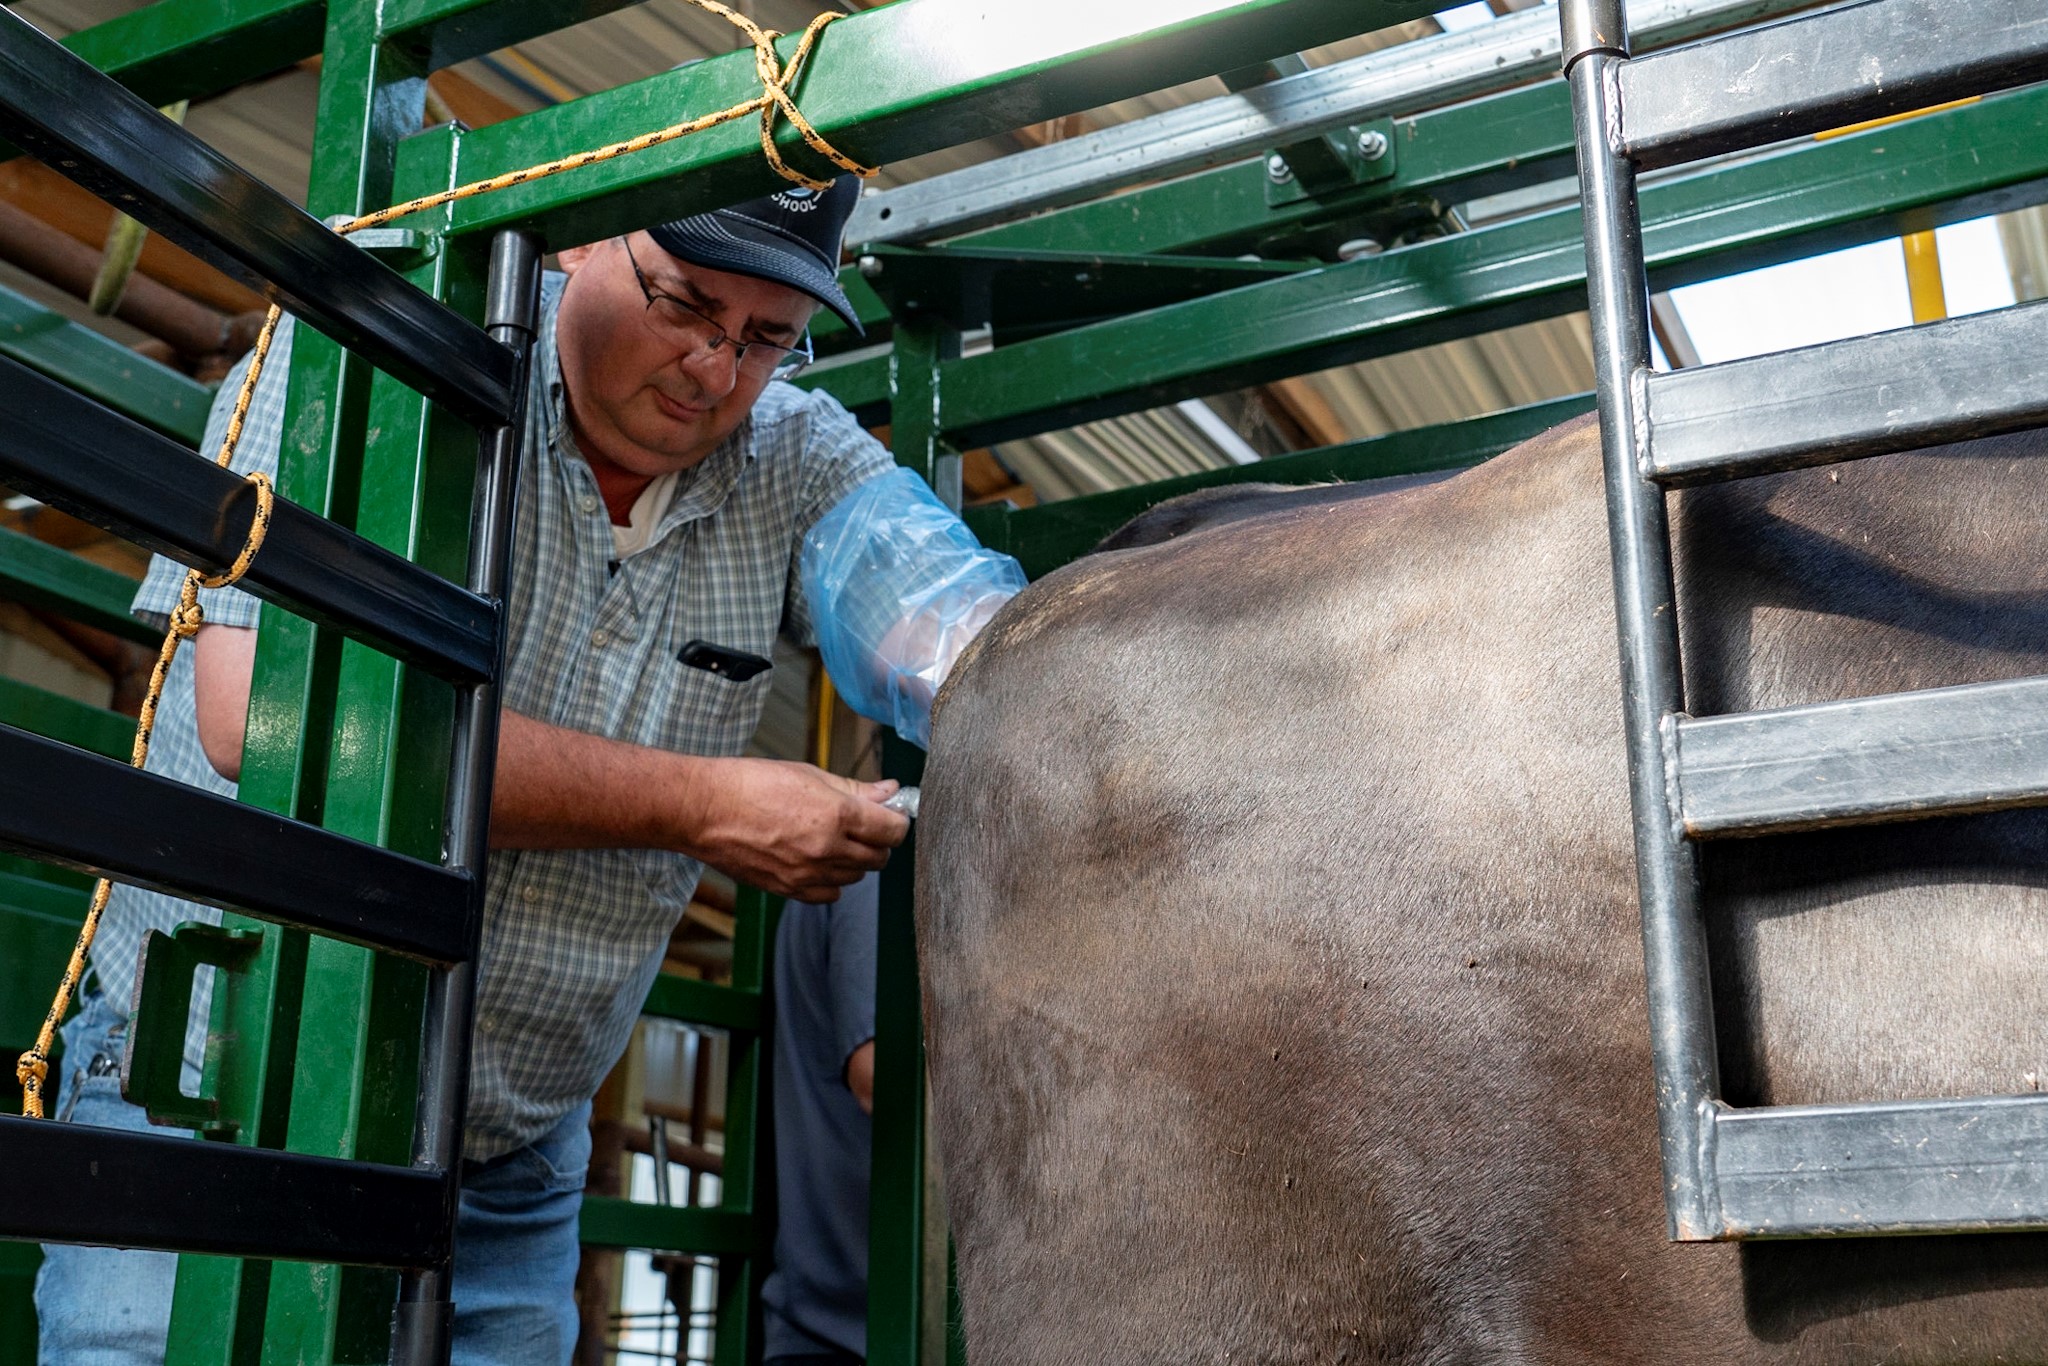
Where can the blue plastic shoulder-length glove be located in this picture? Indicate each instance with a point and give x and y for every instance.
(897, 585)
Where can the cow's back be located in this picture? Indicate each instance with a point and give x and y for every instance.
(1284, 987)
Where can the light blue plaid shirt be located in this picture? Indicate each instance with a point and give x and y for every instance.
(573, 938)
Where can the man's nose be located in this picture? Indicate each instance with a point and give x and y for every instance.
(715, 372)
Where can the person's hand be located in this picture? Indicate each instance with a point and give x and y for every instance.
(794, 830)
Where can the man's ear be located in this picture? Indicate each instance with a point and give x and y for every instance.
(573, 259)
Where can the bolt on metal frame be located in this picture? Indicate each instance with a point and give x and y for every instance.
(1879, 1167)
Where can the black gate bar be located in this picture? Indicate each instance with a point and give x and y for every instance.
(73, 1183)
(102, 468)
(423, 1327)
(89, 127)
(64, 805)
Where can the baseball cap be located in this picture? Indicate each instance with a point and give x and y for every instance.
(791, 237)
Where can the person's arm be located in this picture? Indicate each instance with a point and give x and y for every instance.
(789, 829)
(786, 828)
(895, 586)
(860, 1075)
(223, 661)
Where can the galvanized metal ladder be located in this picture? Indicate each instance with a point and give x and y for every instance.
(1905, 1166)
(69, 1183)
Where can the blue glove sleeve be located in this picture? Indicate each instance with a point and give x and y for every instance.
(897, 585)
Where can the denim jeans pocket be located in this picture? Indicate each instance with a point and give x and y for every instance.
(555, 1163)
(535, 1169)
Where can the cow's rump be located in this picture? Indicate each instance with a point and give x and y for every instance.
(1282, 970)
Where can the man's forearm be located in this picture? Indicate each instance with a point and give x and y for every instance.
(564, 789)
(787, 828)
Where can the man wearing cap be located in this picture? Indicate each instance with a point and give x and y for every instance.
(677, 510)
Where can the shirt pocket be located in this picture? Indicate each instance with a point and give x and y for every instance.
(711, 714)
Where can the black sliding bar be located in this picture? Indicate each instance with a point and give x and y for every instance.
(99, 466)
(64, 805)
(423, 1326)
(74, 1183)
(1823, 71)
(82, 123)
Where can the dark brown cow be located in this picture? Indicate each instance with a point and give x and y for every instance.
(1279, 928)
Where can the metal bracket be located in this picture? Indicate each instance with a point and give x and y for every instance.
(155, 1052)
(402, 249)
(1028, 293)
(1362, 154)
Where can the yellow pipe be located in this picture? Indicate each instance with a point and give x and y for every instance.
(1888, 119)
(546, 80)
(821, 725)
(123, 249)
(1923, 277)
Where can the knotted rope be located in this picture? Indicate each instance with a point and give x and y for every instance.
(187, 617)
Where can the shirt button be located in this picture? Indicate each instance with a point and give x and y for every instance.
(489, 1023)
(589, 503)
(529, 893)
(600, 638)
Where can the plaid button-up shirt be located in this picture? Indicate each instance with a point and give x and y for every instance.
(574, 937)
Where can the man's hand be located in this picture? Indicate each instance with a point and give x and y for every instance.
(789, 829)
(795, 830)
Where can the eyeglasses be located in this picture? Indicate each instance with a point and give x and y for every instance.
(691, 334)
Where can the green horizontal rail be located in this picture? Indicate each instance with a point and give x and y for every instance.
(62, 718)
(711, 1232)
(13, 865)
(18, 1263)
(885, 84)
(24, 898)
(444, 32)
(1813, 197)
(704, 1003)
(44, 577)
(102, 369)
(38, 924)
(859, 382)
(187, 49)
(1460, 152)
(1045, 537)
(1442, 156)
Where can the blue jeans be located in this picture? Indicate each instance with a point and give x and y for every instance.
(516, 1247)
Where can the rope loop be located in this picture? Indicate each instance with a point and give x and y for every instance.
(259, 527)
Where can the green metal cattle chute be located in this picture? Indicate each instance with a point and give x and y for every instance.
(315, 1020)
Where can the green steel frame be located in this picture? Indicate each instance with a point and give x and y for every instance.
(327, 1033)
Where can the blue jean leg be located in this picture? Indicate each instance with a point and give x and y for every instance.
(516, 1251)
(516, 1247)
(101, 1306)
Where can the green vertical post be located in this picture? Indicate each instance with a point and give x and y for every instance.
(902, 1309)
(359, 1036)
(748, 1182)
(370, 96)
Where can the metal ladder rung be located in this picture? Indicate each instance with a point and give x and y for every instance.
(1808, 75)
(1845, 400)
(1981, 747)
(1883, 1167)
